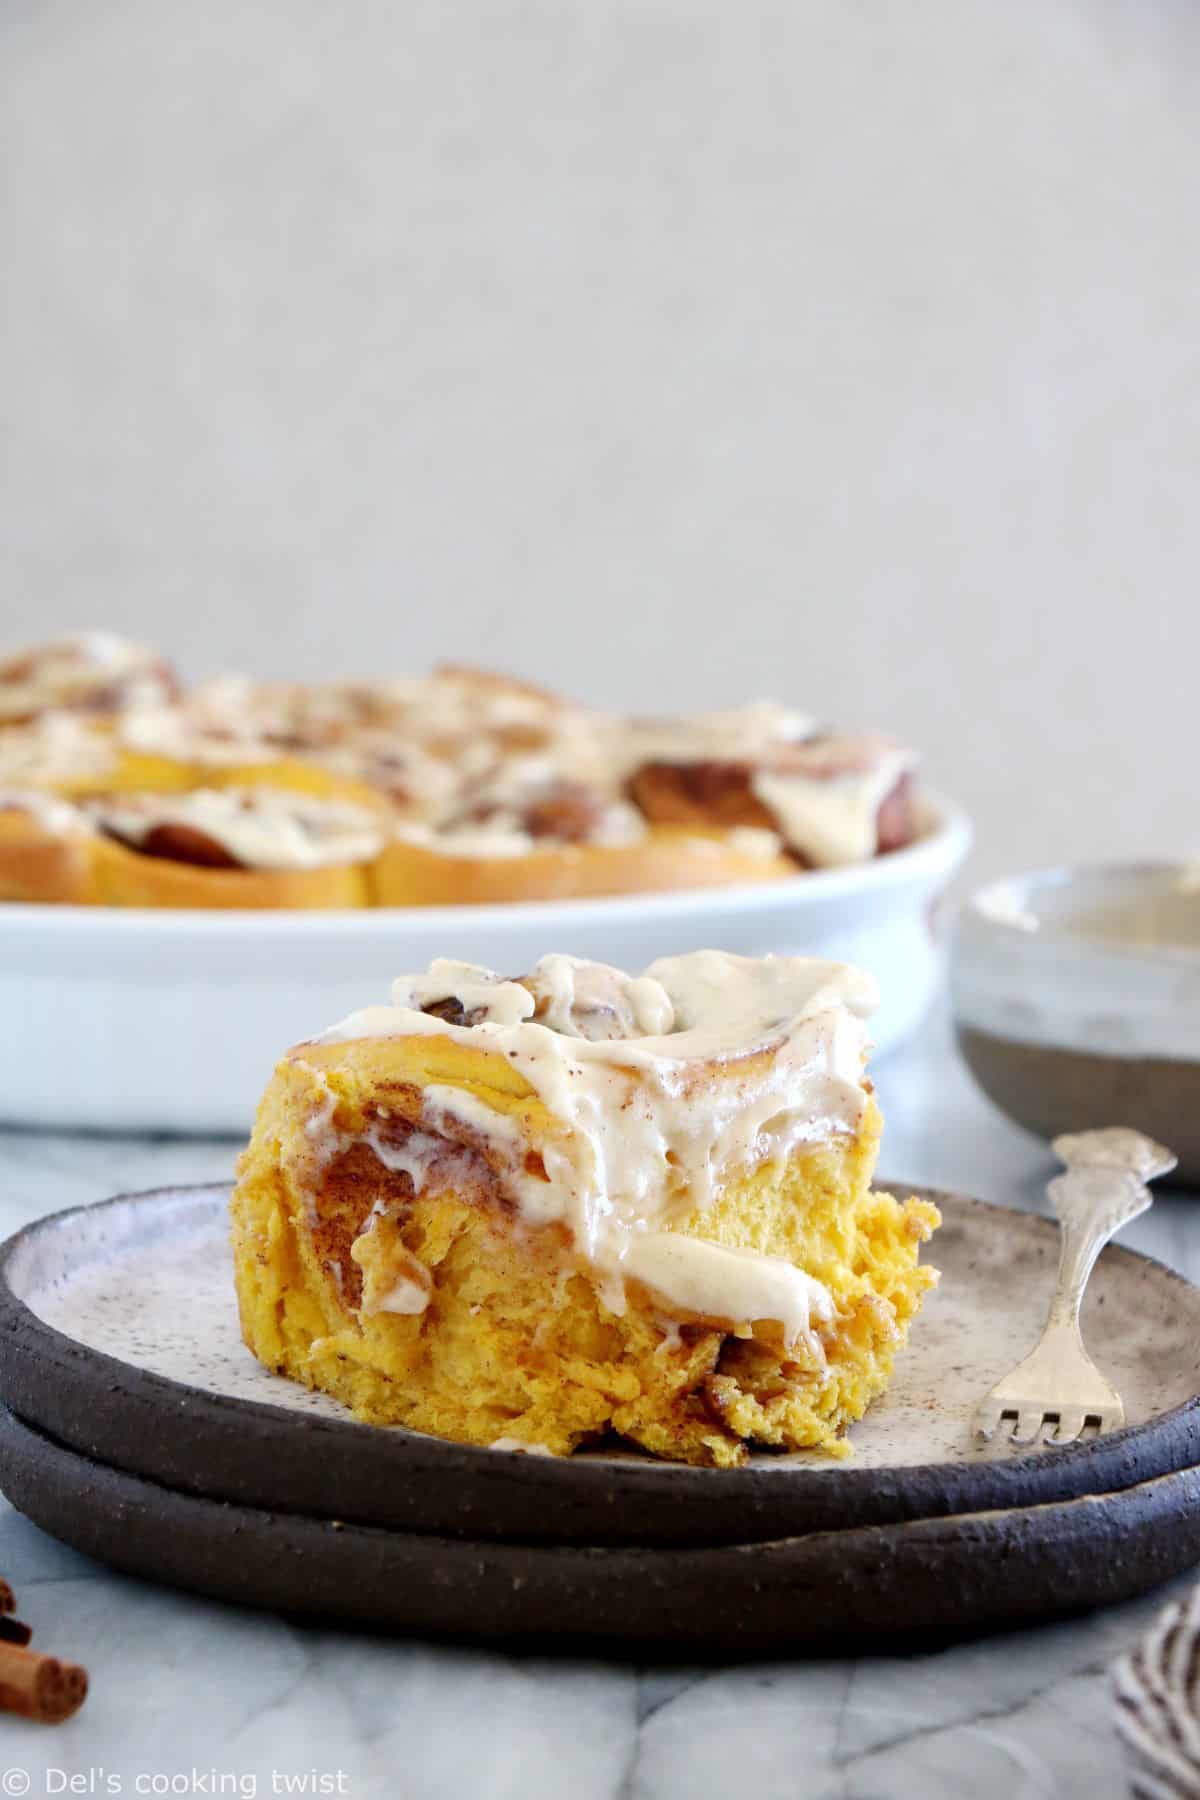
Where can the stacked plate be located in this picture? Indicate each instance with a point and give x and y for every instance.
(137, 1428)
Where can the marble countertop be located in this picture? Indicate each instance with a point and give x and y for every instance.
(190, 1697)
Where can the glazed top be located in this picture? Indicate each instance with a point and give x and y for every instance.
(662, 1086)
(247, 828)
(469, 763)
(93, 670)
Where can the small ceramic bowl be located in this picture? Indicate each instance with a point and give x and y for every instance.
(1076, 997)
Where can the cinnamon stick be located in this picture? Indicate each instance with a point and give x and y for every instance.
(7, 1602)
(13, 1631)
(40, 1687)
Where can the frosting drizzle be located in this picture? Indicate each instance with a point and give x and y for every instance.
(656, 1089)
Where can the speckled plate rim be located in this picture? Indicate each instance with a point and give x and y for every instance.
(830, 1591)
(254, 1453)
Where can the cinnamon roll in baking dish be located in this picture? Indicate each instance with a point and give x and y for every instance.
(483, 788)
(225, 847)
(530, 833)
(536, 1212)
(207, 847)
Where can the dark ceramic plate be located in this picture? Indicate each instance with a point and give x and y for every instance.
(119, 1340)
(828, 1591)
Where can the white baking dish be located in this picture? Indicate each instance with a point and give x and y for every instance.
(128, 1020)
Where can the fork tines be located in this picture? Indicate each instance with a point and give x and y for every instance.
(1029, 1424)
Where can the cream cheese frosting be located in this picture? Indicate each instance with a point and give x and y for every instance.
(57, 817)
(658, 1087)
(524, 801)
(260, 828)
(419, 786)
(496, 839)
(90, 667)
(738, 731)
(187, 735)
(55, 747)
(832, 818)
(502, 835)
(460, 703)
(470, 764)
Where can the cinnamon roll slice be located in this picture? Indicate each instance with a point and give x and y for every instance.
(537, 1212)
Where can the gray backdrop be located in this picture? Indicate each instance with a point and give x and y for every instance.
(673, 351)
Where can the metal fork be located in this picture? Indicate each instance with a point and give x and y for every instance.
(1058, 1384)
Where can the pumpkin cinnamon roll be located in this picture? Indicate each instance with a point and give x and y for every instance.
(251, 847)
(529, 832)
(536, 1213)
(491, 789)
(832, 800)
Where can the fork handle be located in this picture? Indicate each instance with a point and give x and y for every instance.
(1092, 1204)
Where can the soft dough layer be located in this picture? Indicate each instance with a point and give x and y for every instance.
(512, 1340)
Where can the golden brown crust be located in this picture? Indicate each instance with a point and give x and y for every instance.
(37, 864)
(410, 874)
(126, 877)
